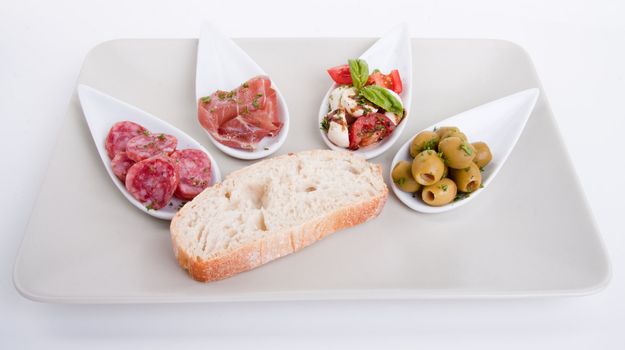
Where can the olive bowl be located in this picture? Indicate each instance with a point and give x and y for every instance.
(498, 123)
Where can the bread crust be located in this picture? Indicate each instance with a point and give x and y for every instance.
(269, 248)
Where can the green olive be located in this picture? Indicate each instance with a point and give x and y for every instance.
(424, 140)
(440, 193)
(402, 177)
(442, 132)
(458, 134)
(427, 168)
(458, 154)
(468, 179)
(483, 155)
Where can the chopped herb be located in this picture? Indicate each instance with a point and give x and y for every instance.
(430, 144)
(255, 102)
(161, 137)
(375, 71)
(245, 85)
(467, 169)
(443, 187)
(206, 99)
(221, 95)
(481, 185)
(150, 206)
(325, 124)
(461, 196)
(401, 181)
(467, 150)
(146, 133)
(230, 94)
(212, 110)
(266, 148)
(481, 169)
(442, 157)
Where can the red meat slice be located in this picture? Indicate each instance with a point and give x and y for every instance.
(242, 117)
(145, 146)
(153, 181)
(119, 135)
(194, 168)
(120, 164)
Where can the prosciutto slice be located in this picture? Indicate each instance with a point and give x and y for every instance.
(242, 117)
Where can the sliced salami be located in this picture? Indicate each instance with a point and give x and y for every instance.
(145, 146)
(120, 164)
(119, 135)
(153, 181)
(194, 168)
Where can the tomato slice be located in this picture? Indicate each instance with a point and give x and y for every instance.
(369, 129)
(390, 81)
(398, 87)
(341, 74)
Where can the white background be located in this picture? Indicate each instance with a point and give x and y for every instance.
(579, 51)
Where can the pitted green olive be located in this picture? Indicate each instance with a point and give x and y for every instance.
(468, 179)
(402, 177)
(444, 131)
(427, 167)
(458, 154)
(423, 141)
(483, 155)
(440, 193)
(458, 134)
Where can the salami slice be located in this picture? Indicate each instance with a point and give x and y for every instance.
(153, 181)
(145, 146)
(120, 164)
(119, 135)
(194, 168)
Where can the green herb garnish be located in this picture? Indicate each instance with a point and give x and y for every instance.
(401, 181)
(443, 187)
(467, 150)
(206, 99)
(481, 169)
(430, 144)
(255, 102)
(359, 71)
(461, 196)
(325, 124)
(245, 85)
(381, 97)
(161, 137)
(150, 206)
(146, 133)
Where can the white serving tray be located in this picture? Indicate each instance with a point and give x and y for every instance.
(531, 234)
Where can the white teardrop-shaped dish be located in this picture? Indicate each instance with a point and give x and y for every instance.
(223, 65)
(392, 51)
(498, 123)
(102, 111)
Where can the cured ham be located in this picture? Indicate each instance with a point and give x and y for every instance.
(241, 118)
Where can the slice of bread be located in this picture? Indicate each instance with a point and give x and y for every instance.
(274, 208)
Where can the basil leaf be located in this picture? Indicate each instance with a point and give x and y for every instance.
(359, 70)
(381, 97)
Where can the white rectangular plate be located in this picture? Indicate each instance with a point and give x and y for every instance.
(530, 234)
